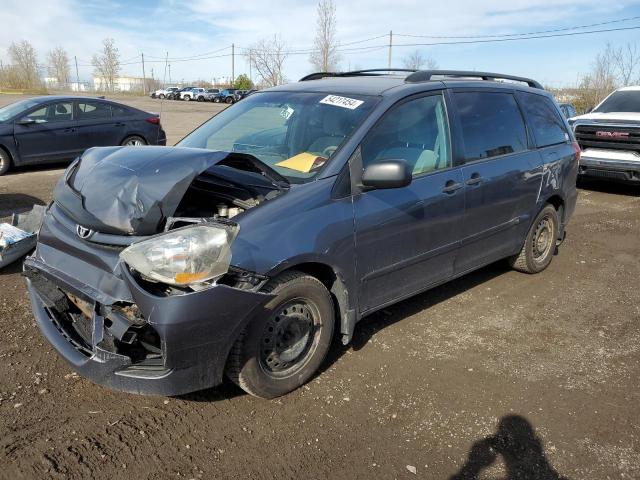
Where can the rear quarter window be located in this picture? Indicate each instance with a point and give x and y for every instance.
(544, 119)
(492, 124)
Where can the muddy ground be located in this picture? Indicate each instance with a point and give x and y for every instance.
(549, 363)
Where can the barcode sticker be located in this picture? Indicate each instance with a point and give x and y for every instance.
(344, 102)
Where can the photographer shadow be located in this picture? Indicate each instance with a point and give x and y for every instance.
(520, 448)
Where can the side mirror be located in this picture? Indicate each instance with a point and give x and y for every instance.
(387, 174)
(25, 121)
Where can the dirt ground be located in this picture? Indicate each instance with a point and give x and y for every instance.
(495, 375)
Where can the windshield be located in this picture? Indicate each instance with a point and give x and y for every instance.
(296, 134)
(10, 111)
(621, 101)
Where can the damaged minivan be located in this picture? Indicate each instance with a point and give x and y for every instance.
(284, 220)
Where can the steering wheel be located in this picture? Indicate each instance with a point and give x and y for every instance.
(327, 152)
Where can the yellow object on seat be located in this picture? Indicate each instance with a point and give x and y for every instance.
(303, 162)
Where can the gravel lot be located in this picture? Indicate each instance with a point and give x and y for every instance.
(497, 372)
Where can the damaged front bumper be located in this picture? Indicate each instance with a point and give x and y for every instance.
(116, 333)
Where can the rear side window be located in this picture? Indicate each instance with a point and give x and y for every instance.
(118, 111)
(93, 110)
(492, 124)
(544, 119)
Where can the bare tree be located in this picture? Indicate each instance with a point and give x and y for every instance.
(417, 61)
(107, 64)
(267, 56)
(598, 83)
(24, 65)
(58, 66)
(325, 56)
(627, 63)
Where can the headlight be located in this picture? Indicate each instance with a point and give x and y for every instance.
(183, 256)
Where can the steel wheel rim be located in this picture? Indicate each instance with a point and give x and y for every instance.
(543, 239)
(290, 337)
(134, 142)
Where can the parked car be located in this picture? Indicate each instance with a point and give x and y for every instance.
(59, 128)
(208, 95)
(176, 94)
(610, 138)
(225, 96)
(244, 94)
(295, 213)
(163, 92)
(568, 110)
(191, 94)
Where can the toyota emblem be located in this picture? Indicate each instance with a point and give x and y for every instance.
(83, 232)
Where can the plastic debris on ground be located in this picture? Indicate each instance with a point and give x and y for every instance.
(19, 237)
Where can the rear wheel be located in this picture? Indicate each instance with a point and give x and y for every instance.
(229, 100)
(540, 244)
(5, 162)
(187, 98)
(161, 96)
(279, 353)
(216, 100)
(133, 141)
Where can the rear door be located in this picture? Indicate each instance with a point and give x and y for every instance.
(406, 238)
(96, 127)
(52, 136)
(502, 174)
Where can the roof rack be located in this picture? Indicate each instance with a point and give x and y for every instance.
(355, 73)
(425, 76)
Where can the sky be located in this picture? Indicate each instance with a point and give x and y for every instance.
(207, 28)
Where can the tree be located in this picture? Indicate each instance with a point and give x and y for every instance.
(107, 64)
(417, 61)
(325, 56)
(243, 82)
(267, 56)
(58, 65)
(24, 65)
(599, 82)
(627, 62)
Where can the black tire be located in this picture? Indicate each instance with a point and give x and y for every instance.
(200, 98)
(161, 96)
(540, 244)
(5, 162)
(301, 316)
(133, 141)
(229, 100)
(187, 98)
(216, 100)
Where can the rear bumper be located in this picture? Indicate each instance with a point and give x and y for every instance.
(194, 331)
(613, 165)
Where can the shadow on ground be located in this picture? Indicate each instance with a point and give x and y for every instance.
(520, 448)
(11, 203)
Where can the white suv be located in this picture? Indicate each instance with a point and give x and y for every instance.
(191, 94)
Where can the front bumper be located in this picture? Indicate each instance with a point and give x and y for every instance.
(610, 164)
(195, 330)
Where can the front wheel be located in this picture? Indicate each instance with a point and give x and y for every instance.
(161, 96)
(5, 162)
(279, 353)
(216, 100)
(540, 244)
(229, 100)
(187, 98)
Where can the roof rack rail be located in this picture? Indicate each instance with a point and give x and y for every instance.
(355, 73)
(425, 76)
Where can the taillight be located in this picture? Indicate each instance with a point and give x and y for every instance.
(576, 148)
(154, 120)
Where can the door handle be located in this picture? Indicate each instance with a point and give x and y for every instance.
(69, 130)
(451, 186)
(118, 124)
(475, 179)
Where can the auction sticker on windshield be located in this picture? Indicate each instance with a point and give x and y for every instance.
(344, 102)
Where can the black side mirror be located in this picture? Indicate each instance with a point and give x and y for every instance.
(25, 121)
(387, 174)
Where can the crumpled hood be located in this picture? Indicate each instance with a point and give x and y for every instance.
(130, 190)
(608, 117)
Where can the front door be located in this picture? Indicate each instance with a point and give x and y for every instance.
(51, 135)
(407, 238)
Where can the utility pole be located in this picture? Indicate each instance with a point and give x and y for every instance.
(390, 46)
(144, 77)
(75, 59)
(169, 73)
(233, 63)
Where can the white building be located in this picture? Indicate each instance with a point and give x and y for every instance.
(121, 84)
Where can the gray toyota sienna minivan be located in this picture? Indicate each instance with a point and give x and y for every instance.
(288, 217)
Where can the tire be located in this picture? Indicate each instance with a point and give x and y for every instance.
(216, 100)
(228, 100)
(301, 316)
(201, 99)
(5, 162)
(161, 96)
(187, 98)
(540, 244)
(133, 141)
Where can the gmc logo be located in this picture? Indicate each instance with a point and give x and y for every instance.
(612, 134)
